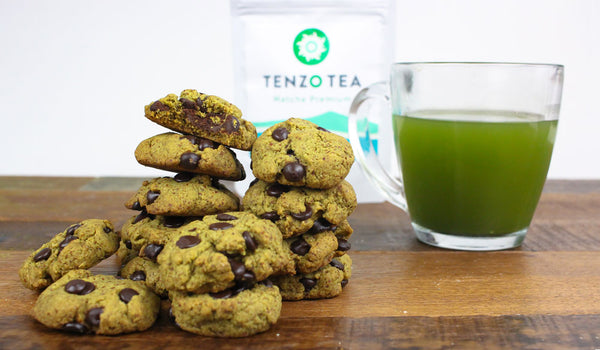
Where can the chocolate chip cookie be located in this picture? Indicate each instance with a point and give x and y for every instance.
(205, 116)
(230, 313)
(220, 251)
(297, 210)
(145, 270)
(327, 282)
(79, 246)
(183, 195)
(82, 303)
(187, 153)
(297, 152)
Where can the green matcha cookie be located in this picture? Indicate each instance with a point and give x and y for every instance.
(205, 116)
(220, 251)
(183, 195)
(231, 313)
(296, 210)
(187, 153)
(327, 282)
(80, 246)
(146, 270)
(82, 303)
(299, 153)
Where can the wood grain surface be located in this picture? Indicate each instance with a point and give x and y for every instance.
(402, 294)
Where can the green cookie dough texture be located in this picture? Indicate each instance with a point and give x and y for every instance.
(83, 303)
(295, 210)
(249, 312)
(143, 229)
(183, 195)
(145, 270)
(79, 246)
(220, 251)
(187, 153)
(299, 153)
(205, 116)
(327, 282)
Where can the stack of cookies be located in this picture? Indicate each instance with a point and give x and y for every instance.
(224, 265)
(300, 170)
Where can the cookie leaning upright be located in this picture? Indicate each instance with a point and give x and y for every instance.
(202, 115)
(79, 246)
(298, 152)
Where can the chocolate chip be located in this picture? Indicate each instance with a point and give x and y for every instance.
(305, 215)
(337, 263)
(225, 217)
(128, 244)
(308, 283)
(71, 230)
(152, 250)
(276, 190)
(248, 276)
(75, 327)
(280, 134)
(231, 124)
(322, 129)
(43, 254)
(185, 242)
(136, 206)
(79, 287)
(93, 316)
(270, 216)
(322, 225)
(344, 282)
(200, 104)
(251, 244)
(158, 106)
(183, 177)
(227, 293)
(126, 294)
(142, 215)
(151, 196)
(187, 104)
(267, 282)
(220, 226)
(343, 245)
(237, 268)
(138, 276)
(173, 221)
(300, 247)
(189, 160)
(204, 143)
(293, 172)
(290, 152)
(66, 241)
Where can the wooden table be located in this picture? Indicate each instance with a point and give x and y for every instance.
(403, 294)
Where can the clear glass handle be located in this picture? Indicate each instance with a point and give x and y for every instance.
(369, 102)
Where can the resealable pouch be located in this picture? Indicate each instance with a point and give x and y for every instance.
(308, 59)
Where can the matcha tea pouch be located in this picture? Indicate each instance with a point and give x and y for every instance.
(308, 59)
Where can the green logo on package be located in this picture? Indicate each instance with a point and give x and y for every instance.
(311, 46)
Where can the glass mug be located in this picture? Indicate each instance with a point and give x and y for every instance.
(472, 144)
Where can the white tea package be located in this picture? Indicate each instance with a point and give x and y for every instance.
(308, 59)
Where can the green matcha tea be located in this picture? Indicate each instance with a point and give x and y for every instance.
(473, 174)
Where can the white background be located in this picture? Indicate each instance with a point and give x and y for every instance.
(75, 74)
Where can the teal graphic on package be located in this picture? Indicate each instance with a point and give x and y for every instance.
(337, 123)
(311, 46)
